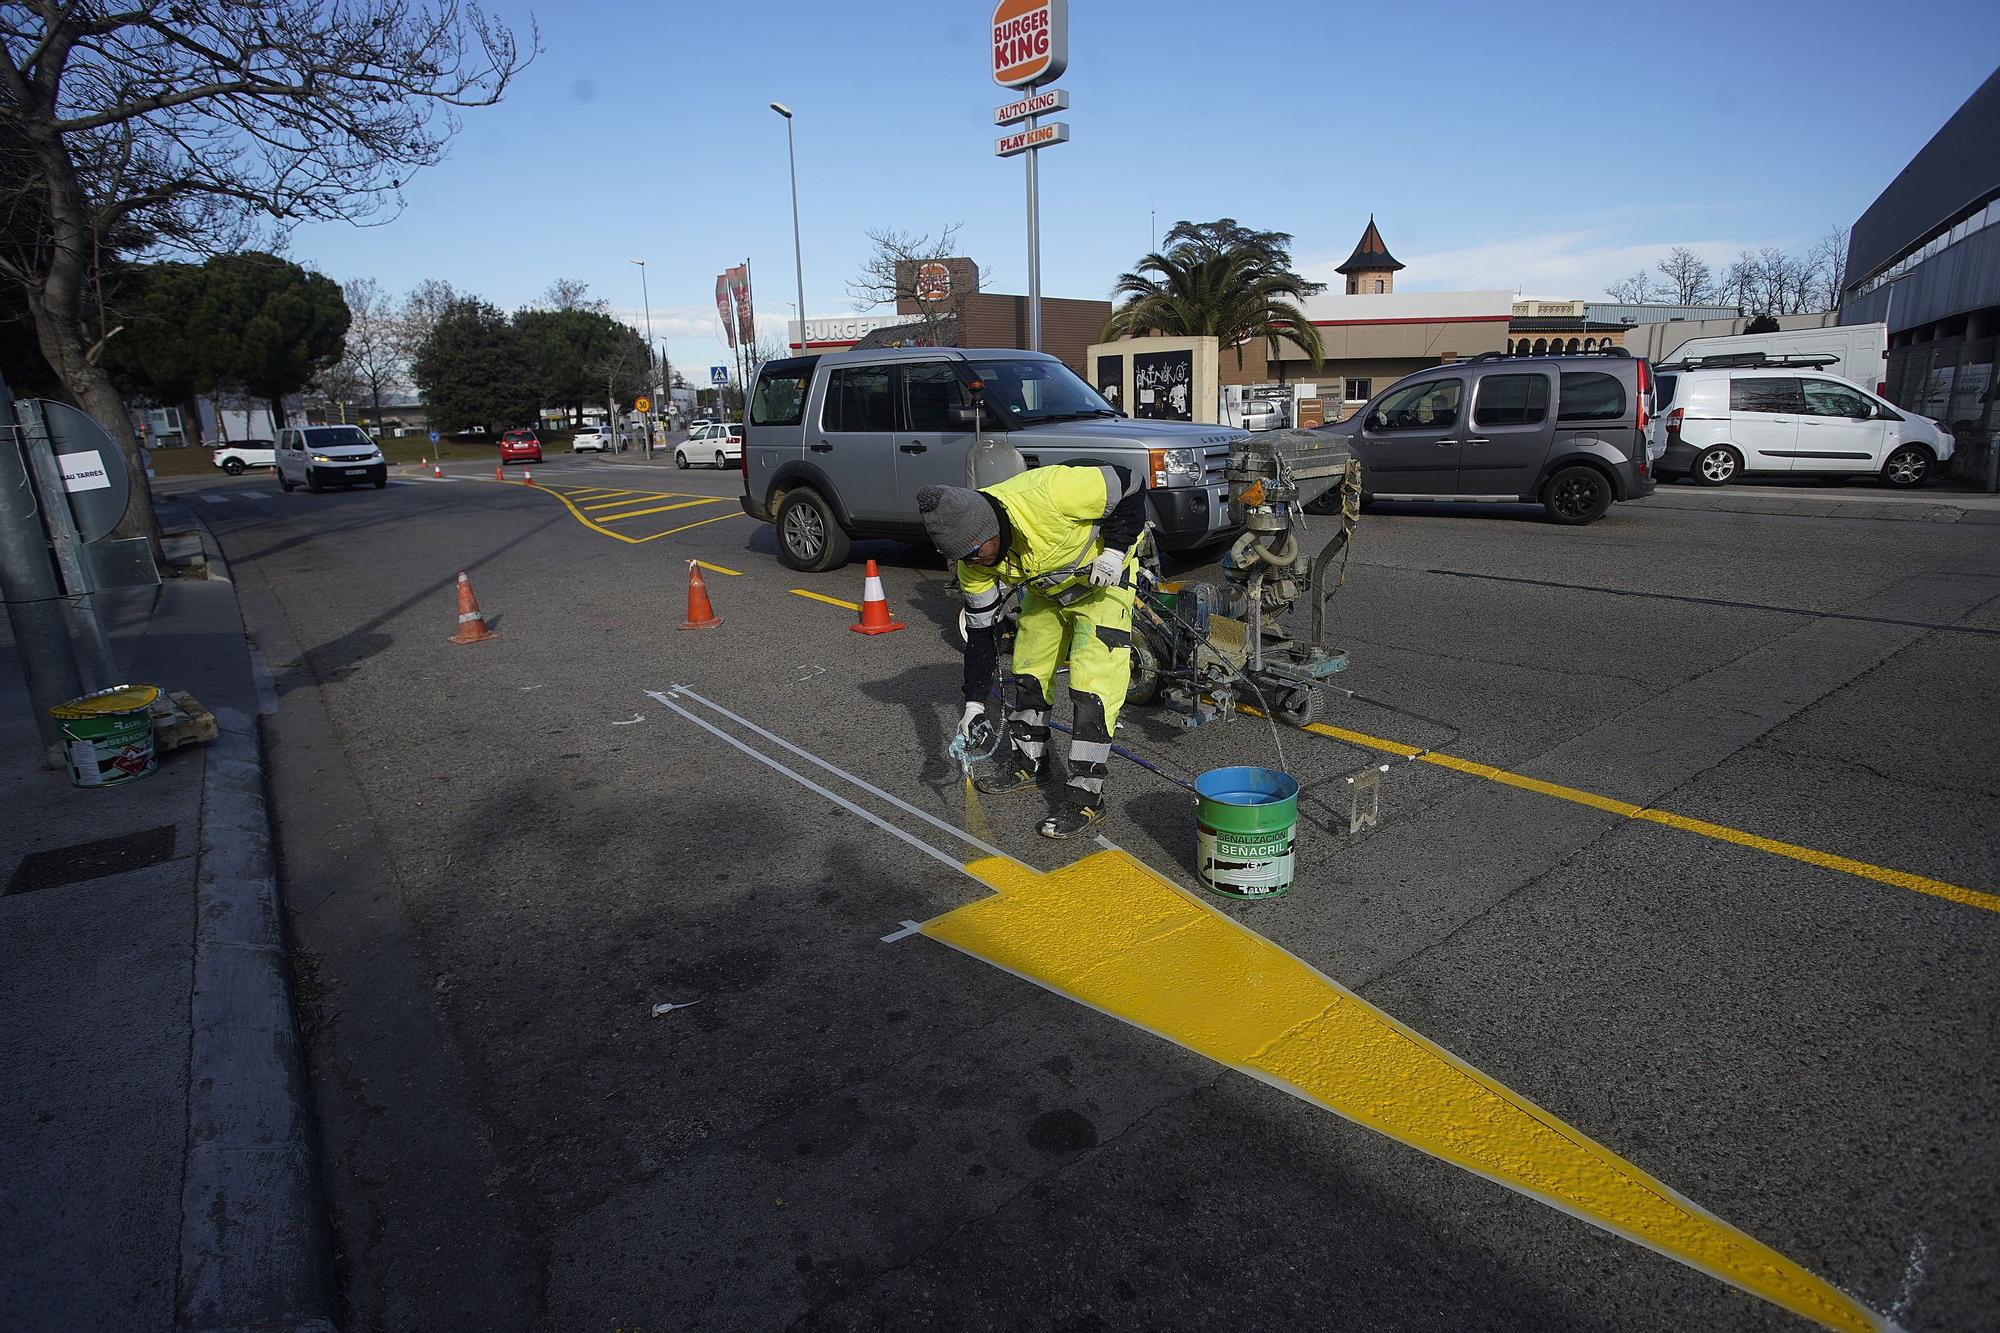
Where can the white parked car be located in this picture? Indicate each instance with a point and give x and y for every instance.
(316, 457)
(719, 442)
(1724, 422)
(591, 439)
(240, 454)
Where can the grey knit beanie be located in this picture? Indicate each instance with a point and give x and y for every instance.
(958, 520)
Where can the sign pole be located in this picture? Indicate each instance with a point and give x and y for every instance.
(28, 586)
(1030, 49)
(1034, 246)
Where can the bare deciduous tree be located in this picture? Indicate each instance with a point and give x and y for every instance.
(889, 277)
(373, 353)
(1689, 281)
(1635, 290)
(199, 124)
(1828, 259)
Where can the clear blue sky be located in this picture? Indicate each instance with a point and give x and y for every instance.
(1546, 148)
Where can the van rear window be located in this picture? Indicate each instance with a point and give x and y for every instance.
(1589, 395)
(780, 399)
(1663, 390)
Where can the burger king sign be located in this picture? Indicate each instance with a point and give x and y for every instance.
(1030, 42)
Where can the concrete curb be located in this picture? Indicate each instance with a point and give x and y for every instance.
(255, 1249)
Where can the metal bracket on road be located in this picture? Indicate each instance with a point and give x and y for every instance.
(1368, 781)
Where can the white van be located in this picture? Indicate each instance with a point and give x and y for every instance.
(1857, 352)
(320, 456)
(1774, 418)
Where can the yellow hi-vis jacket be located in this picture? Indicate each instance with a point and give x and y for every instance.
(1057, 515)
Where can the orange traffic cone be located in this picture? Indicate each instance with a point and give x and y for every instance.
(498, 475)
(700, 615)
(437, 470)
(423, 460)
(528, 479)
(874, 607)
(471, 624)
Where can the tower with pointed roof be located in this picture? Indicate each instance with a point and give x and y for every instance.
(1371, 269)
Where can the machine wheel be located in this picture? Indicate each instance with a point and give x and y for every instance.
(1576, 496)
(233, 466)
(1301, 706)
(1718, 464)
(1908, 465)
(680, 460)
(1144, 686)
(810, 538)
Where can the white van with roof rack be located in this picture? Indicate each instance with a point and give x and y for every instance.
(1741, 413)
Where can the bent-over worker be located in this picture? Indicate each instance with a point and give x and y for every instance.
(1067, 536)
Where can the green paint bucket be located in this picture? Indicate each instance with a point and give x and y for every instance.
(108, 736)
(1247, 819)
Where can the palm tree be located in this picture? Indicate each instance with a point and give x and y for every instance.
(1234, 292)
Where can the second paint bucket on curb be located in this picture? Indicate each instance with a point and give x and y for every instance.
(1247, 822)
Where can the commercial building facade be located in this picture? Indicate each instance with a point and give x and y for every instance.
(1925, 259)
(941, 303)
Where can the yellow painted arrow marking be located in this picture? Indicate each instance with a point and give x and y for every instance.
(1110, 933)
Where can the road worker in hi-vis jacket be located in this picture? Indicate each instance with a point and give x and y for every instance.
(1068, 537)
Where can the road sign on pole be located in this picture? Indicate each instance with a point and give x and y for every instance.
(718, 374)
(642, 405)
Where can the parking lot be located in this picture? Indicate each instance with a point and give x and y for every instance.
(620, 946)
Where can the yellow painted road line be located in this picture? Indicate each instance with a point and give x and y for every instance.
(1900, 879)
(1846, 865)
(657, 509)
(655, 536)
(584, 519)
(1166, 961)
(718, 569)
(822, 597)
(630, 498)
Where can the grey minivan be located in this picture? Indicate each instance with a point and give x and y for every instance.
(1569, 433)
(837, 445)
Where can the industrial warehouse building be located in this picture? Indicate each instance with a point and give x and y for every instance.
(1925, 259)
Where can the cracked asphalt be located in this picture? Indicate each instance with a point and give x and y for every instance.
(494, 874)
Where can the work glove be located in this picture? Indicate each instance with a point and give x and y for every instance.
(1107, 569)
(970, 720)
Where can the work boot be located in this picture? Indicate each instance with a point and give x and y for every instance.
(1012, 773)
(1080, 813)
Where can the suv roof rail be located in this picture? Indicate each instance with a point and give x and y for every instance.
(1754, 361)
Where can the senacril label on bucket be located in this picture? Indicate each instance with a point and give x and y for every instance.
(1245, 865)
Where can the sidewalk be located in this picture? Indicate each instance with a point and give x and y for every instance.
(1939, 502)
(160, 1153)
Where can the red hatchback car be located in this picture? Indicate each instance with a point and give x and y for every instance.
(520, 446)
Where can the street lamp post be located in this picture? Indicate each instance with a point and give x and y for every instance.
(798, 259)
(647, 297)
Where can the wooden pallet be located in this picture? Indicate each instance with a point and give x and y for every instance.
(178, 720)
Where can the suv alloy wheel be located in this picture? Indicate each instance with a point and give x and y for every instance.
(1717, 465)
(1907, 466)
(810, 538)
(1576, 495)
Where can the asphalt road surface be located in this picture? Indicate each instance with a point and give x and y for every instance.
(1698, 858)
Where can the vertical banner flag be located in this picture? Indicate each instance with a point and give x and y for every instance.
(746, 322)
(722, 310)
